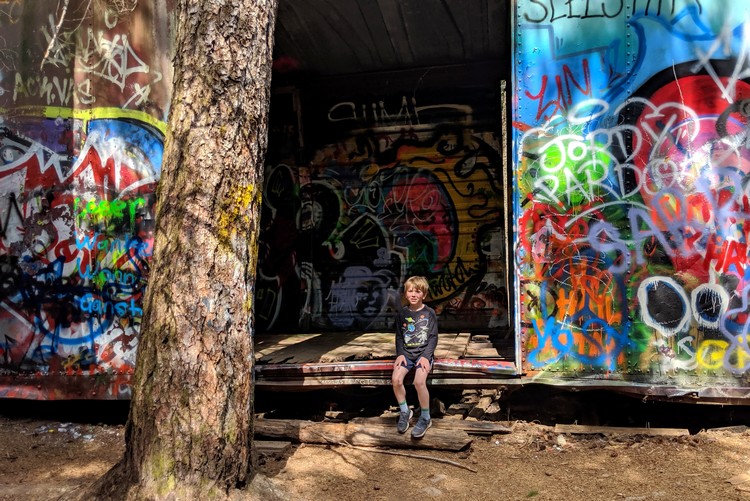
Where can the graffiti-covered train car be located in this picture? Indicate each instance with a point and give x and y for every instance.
(631, 172)
(84, 101)
(597, 227)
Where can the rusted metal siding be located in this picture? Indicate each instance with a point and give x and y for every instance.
(631, 157)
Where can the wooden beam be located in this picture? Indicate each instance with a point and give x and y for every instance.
(478, 410)
(368, 435)
(576, 429)
(272, 447)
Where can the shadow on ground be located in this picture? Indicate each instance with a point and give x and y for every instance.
(537, 403)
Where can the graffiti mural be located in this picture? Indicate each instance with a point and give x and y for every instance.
(412, 188)
(632, 162)
(81, 142)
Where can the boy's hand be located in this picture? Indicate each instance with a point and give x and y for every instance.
(423, 363)
(400, 360)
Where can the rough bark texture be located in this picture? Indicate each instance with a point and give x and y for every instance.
(190, 432)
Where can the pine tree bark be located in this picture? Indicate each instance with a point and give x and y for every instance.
(189, 433)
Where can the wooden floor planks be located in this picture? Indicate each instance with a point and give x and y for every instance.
(340, 347)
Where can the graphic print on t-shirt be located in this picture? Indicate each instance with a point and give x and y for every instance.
(416, 330)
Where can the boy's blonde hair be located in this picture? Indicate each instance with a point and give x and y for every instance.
(419, 283)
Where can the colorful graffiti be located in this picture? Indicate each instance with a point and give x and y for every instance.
(342, 233)
(75, 251)
(632, 162)
(81, 142)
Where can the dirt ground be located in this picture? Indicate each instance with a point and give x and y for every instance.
(43, 457)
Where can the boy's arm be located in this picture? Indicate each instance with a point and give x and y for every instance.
(399, 336)
(432, 338)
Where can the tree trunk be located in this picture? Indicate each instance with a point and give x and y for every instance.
(189, 432)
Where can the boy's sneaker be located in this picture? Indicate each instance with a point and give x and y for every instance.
(421, 427)
(403, 421)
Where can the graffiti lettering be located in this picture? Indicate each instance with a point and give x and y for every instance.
(552, 10)
(377, 114)
(107, 308)
(54, 91)
(116, 246)
(567, 87)
(541, 11)
(104, 210)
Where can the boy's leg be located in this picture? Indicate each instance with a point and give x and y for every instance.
(397, 380)
(420, 383)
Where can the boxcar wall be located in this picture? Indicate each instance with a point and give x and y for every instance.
(84, 108)
(400, 174)
(631, 173)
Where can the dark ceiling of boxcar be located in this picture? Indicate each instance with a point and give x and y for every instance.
(334, 37)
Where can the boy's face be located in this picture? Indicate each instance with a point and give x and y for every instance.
(414, 296)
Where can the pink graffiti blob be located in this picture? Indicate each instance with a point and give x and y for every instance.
(688, 129)
(420, 205)
(691, 157)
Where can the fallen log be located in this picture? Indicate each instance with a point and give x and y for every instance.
(470, 427)
(616, 430)
(367, 435)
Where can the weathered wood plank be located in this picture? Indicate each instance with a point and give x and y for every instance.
(368, 346)
(344, 346)
(368, 435)
(272, 447)
(478, 410)
(452, 345)
(617, 430)
(470, 427)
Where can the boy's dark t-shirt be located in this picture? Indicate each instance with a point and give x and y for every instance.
(416, 333)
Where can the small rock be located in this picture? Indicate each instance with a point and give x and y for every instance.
(432, 491)
(438, 478)
(561, 441)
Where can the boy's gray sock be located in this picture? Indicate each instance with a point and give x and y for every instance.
(426, 413)
(404, 408)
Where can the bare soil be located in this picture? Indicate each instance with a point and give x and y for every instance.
(47, 451)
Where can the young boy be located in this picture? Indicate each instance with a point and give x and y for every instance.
(416, 339)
